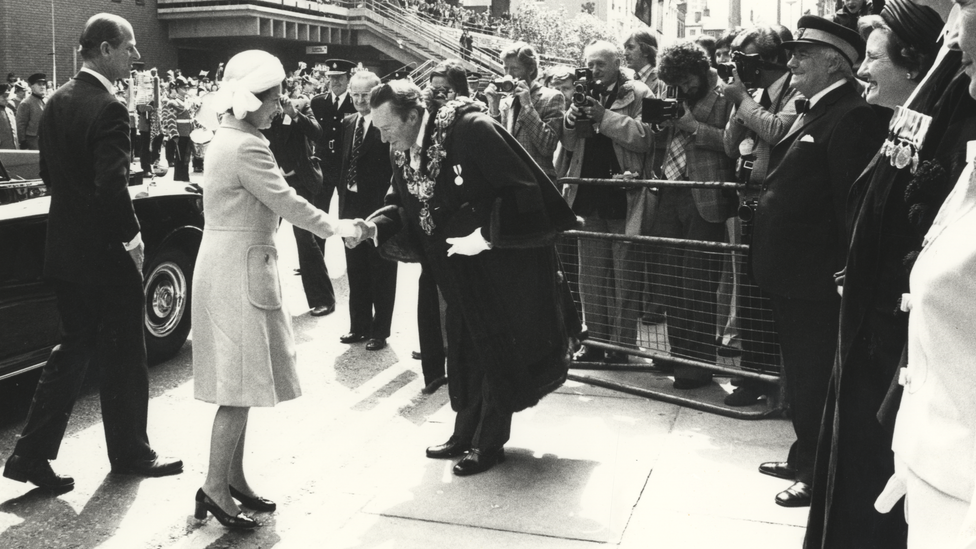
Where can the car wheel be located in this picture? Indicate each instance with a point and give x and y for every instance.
(167, 288)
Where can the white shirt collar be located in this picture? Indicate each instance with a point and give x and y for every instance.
(368, 119)
(339, 98)
(109, 87)
(819, 95)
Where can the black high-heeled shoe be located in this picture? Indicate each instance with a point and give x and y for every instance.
(257, 503)
(204, 504)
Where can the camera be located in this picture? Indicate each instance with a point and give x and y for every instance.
(586, 86)
(655, 110)
(747, 214)
(506, 84)
(748, 65)
(743, 167)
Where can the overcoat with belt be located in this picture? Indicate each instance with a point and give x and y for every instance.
(505, 305)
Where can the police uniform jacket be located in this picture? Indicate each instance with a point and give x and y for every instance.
(29, 116)
(329, 115)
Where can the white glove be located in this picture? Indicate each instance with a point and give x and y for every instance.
(349, 228)
(473, 244)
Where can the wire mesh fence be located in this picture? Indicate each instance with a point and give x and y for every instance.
(671, 301)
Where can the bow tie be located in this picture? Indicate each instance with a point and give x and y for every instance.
(802, 106)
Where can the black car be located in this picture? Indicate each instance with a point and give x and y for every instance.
(171, 216)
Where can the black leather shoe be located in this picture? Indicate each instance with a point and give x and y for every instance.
(322, 310)
(37, 472)
(797, 495)
(416, 355)
(375, 344)
(744, 395)
(257, 503)
(685, 384)
(432, 387)
(617, 357)
(452, 448)
(589, 354)
(478, 461)
(204, 504)
(778, 469)
(352, 337)
(152, 467)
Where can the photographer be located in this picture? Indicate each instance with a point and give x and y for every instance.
(755, 126)
(603, 129)
(529, 111)
(695, 152)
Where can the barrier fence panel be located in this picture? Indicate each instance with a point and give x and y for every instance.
(615, 279)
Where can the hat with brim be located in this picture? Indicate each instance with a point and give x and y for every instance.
(818, 31)
(37, 77)
(338, 67)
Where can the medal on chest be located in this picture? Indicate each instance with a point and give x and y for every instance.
(906, 135)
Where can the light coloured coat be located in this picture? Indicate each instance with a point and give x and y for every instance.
(243, 347)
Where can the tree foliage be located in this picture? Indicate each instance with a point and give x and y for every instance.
(555, 34)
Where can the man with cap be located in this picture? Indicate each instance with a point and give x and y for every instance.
(8, 121)
(329, 109)
(800, 231)
(29, 111)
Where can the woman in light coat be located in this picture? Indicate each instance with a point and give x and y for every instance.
(243, 349)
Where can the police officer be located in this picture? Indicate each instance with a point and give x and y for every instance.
(329, 109)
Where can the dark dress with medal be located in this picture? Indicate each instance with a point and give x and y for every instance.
(854, 457)
(506, 325)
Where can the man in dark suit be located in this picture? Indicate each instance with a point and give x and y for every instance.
(486, 228)
(800, 232)
(365, 179)
(292, 136)
(94, 257)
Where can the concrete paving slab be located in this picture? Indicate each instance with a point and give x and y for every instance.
(709, 468)
(679, 530)
(576, 466)
(375, 532)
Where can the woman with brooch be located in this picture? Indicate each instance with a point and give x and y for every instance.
(243, 347)
(484, 217)
(854, 457)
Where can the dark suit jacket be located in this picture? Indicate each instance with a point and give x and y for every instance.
(800, 233)
(329, 116)
(84, 161)
(373, 169)
(293, 148)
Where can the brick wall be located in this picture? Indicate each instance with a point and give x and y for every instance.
(25, 34)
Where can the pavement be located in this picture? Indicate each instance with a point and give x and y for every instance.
(587, 467)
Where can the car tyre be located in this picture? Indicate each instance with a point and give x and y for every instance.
(167, 317)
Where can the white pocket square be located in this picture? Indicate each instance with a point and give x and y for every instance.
(806, 139)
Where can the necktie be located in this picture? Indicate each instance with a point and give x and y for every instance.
(802, 106)
(765, 101)
(676, 159)
(357, 145)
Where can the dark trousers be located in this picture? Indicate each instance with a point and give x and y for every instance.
(178, 153)
(432, 356)
(372, 291)
(808, 340)
(757, 330)
(690, 278)
(311, 258)
(481, 421)
(101, 325)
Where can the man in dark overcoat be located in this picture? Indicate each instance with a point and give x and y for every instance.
(292, 138)
(800, 233)
(484, 217)
(364, 181)
(93, 257)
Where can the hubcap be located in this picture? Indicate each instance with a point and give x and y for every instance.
(165, 299)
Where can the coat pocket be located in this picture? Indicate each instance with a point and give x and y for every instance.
(263, 286)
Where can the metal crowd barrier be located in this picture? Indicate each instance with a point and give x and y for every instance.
(686, 296)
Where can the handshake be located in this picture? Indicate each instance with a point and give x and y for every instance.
(355, 231)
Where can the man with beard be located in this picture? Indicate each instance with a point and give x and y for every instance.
(695, 152)
(484, 216)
